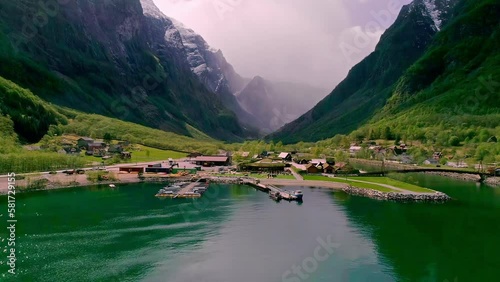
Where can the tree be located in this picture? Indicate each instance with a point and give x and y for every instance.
(387, 134)
(341, 156)
(480, 155)
(454, 141)
(107, 137)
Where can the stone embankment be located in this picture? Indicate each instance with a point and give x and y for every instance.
(399, 197)
(493, 181)
(460, 176)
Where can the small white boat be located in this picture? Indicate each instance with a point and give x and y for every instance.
(112, 185)
(298, 194)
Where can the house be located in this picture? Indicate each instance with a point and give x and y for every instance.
(327, 168)
(84, 142)
(245, 154)
(301, 161)
(354, 149)
(95, 146)
(115, 149)
(212, 160)
(285, 156)
(311, 168)
(431, 162)
(437, 155)
(318, 161)
(340, 166)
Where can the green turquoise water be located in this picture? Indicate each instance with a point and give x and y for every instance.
(238, 234)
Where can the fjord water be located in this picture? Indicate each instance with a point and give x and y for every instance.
(235, 233)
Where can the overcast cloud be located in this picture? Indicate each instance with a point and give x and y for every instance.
(311, 41)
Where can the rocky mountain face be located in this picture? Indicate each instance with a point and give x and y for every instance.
(370, 83)
(110, 57)
(207, 63)
(261, 105)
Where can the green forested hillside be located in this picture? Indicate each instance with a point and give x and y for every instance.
(454, 89)
(31, 116)
(106, 57)
(368, 84)
(450, 90)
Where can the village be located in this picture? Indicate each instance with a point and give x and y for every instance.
(111, 161)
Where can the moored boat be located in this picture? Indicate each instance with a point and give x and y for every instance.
(298, 194)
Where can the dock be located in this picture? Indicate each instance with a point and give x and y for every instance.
(283, 194)
(186, 191)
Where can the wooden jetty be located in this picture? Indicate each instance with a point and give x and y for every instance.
(285, 195)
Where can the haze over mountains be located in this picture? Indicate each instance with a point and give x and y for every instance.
(260, 104)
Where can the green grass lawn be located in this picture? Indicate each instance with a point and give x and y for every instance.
(353, 183)
(373, 185)
(148, 154)
(395, 183)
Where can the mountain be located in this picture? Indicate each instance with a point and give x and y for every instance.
(259, 104)
(370, 83)
(277, 103)
(111, 58)
(207, 63)
(453, 90)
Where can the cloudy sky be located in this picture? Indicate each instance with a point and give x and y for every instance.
(311, 41)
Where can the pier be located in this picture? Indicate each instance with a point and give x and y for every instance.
(186, 191)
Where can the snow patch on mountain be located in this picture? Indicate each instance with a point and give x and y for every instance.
(434, 12)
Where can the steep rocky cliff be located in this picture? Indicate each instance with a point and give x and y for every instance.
(108, 57)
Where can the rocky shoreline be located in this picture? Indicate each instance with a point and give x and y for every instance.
(493, 181)
(459, 176)
(437, 197)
